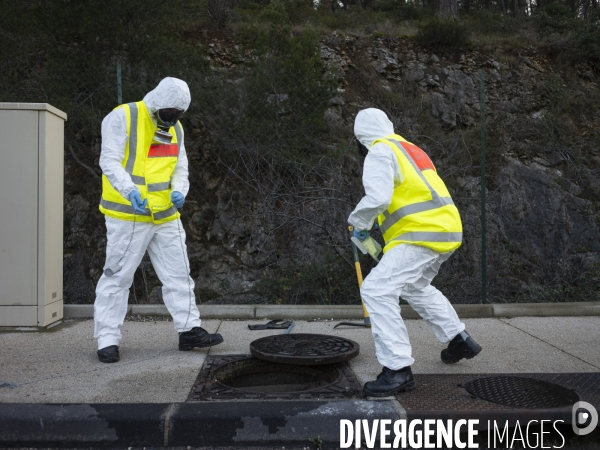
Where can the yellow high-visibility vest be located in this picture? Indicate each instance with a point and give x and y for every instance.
(422, 211)
(150, 166)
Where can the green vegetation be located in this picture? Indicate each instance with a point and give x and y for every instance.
(317, 282)
(446, 36)
(286, 74)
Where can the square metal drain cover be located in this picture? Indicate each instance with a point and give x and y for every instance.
(243, 377)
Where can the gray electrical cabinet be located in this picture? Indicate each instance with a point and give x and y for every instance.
(31, 216)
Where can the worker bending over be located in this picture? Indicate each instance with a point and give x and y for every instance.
(421, 228)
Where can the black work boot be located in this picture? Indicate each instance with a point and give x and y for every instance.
(198, 337)
(462, 346)
(109, 354)
(389, 382)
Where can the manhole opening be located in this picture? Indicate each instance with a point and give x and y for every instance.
(521, 392)
(232, 377)
(260, 376)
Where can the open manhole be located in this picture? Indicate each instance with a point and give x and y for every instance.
(304, 349)
(521, 392)
(230, 377)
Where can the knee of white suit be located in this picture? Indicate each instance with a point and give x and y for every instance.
(118, 281)
(379, 291)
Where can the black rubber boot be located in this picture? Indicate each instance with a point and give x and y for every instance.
(389, 382)
(198, 337)
(462, 346)
(109, 354)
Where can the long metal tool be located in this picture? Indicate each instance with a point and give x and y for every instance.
(367, 319)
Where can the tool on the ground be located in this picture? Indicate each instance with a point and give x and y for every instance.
(275, 324)
(367, 320)
(289, 328)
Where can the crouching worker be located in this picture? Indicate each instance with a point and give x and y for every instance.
(144, 182)
(421, 228)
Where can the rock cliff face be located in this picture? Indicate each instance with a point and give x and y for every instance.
(543, 188)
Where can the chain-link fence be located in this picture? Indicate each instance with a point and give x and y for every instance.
(274, 171)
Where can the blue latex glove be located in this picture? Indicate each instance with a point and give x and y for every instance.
(136, 201)
(361, 235)
(178, 199)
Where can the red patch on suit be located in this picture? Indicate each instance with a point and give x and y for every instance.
(418, 156)
(157, 150)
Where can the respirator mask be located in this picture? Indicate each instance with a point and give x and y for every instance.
(165, 119)
(362, 149)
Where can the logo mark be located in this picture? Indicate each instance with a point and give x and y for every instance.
(585, 418)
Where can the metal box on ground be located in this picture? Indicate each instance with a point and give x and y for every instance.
(31, 218)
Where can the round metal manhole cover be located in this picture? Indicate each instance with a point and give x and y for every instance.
(304, 349)
(521, 392)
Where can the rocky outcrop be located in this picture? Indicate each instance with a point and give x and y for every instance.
(545, 232)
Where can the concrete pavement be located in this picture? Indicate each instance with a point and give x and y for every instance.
(59, 365)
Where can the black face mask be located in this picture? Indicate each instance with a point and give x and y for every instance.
(169, 116)
(362, 149)
(165, 119)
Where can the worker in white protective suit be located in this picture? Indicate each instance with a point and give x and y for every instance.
(421, 228)
(144, 182)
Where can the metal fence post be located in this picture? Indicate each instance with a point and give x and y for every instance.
(119, 88)
(483, 221)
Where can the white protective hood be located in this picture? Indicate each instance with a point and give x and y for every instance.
(170, 93)
(371, 124)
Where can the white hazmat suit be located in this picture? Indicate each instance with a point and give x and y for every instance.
(165, 242)
(405, 270)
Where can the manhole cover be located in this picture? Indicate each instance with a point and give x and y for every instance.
(233, 377)
(521, 392)
(304, 349)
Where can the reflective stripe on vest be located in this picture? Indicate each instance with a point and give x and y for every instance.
(138, 180)
(156, 187)
(435, 202)
(178, 132)
(164, 214)
(430, 236)
(133, 115)
(120, 207)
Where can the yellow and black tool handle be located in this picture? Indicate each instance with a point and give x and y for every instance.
(359, 276)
